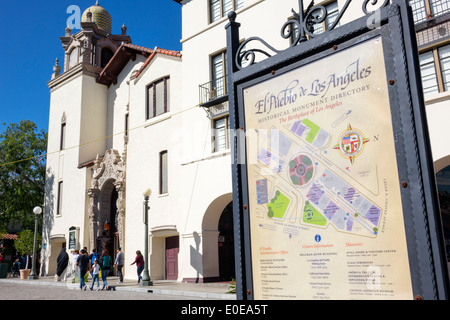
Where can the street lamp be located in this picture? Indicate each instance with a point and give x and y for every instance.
(146, 275)
(37, 211)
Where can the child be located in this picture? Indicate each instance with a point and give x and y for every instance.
(95, 270)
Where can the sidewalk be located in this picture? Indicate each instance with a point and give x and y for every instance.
(167, 287)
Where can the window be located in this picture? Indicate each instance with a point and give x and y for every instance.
(220, 8)
(221, 134)
(444, 58)
(435, 70)
(218, 75)
(163, 173)
(126, 128)
(428, 70)
(63, 137)
(60, 198)
(107, 55)
(62, 141)
(427, 9)
(158, 98)
(73, 58)
(332, 14)
(439, 7)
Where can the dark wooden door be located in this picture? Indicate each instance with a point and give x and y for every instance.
(172, 249)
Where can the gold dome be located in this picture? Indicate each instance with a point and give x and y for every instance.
(100, 16)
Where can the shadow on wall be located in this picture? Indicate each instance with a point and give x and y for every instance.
(196, 256)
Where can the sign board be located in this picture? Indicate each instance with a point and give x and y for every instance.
(74, 233)
(323, 186)
(331, 180)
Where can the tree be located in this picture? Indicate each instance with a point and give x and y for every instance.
(25, 242)
(22, 174)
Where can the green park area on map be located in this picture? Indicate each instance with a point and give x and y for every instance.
(278, 205)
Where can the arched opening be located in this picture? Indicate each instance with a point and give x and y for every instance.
(107, 54)
(210, 249)
(226, 245)
(443, 184)
(107, 237)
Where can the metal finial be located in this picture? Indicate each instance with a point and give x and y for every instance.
(232, 16)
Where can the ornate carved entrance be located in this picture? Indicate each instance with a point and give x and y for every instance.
(109, 174)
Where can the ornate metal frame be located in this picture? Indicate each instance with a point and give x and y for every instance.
(429, 272)
(304, 22)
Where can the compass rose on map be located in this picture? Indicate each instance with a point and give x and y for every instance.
(351, 143)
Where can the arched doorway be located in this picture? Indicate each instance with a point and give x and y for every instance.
(107, 237)
(107, 203)
(443, 184)
(226, 244)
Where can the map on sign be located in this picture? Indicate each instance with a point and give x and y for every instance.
(308, 188)
(323, 184)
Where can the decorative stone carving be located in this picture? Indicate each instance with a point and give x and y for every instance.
(111, 167)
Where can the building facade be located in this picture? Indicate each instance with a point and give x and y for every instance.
(124, 118)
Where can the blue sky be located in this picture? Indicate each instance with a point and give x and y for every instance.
(30, 45)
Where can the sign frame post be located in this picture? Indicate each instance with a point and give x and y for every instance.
(426, 257)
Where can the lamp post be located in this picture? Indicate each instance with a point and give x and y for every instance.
(37, 211)
(145, 274)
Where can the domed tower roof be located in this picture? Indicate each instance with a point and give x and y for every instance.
(100, 16)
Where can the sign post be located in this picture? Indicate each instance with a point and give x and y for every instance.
(334, 192)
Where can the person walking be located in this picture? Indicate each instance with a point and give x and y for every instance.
(119, 263)
(61, 264)
(105, 265)
(76, 254)
(95, 271)
(82, 264)
(93, 256)
(139, 261)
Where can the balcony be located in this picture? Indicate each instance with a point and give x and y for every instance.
(213, 92)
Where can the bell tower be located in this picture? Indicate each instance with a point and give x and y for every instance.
(74, 87)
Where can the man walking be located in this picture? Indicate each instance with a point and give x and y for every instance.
(82, 264)
(119, 263)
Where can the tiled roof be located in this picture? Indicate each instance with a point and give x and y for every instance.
(124, 54)
(137, 48)
(8, 236)
(172, 53)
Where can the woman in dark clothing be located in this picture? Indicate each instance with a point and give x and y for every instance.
(62, 262)
(140, 264)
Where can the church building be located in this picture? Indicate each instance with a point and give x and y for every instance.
(118, 125)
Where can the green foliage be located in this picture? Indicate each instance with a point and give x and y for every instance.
(232, 287)
(25, 241)
(22, 174)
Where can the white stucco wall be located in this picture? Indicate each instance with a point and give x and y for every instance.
(438, 113)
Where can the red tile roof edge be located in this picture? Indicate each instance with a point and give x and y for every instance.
(152, 53)
(171, 53)
(8, 236)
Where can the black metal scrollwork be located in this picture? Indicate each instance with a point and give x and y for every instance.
(300, 29)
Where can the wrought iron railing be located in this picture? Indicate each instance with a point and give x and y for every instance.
(213, 90)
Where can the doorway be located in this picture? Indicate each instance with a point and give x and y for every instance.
(108, 232)
(172, 250)
(443, 185)
(227, 270)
